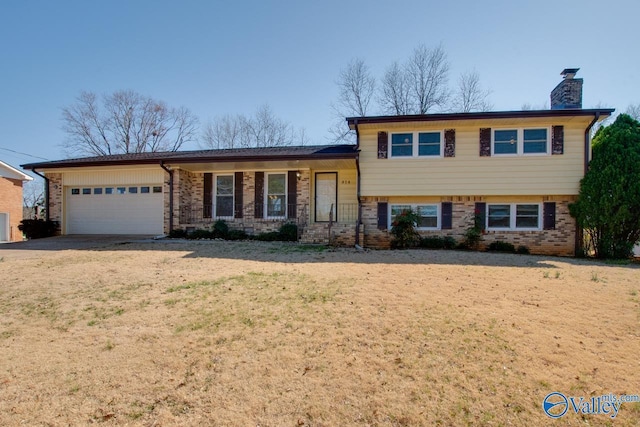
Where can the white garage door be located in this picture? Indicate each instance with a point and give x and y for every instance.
(135, 209)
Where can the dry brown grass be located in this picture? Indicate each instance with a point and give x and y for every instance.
(257, 334)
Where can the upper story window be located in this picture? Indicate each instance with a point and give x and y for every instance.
(520, 141)
(416, 144)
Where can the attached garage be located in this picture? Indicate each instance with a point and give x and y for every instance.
(131, 209)
(123, 201)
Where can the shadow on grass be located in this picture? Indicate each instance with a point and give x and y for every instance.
(291, 252)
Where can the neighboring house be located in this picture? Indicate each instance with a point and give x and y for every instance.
(516, 172)
(11, 202)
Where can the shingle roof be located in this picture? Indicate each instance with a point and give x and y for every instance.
(309, 152)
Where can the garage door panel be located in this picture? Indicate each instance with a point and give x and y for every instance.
(138, 213)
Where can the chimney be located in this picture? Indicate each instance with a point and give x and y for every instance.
(568, 93)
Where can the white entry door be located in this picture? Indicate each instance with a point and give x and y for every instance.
(326, 196)
(4, 227)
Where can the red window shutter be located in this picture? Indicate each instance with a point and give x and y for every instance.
(259, 195)
(207, 197)
(480, 215)
(383, 215)
(557, 139)
(549, 215)
(383, 145)
(292, 193)
(238, 195)
(447, 215)
(450, 143)
(485, 142)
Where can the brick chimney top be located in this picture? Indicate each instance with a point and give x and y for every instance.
(568, 93)
(569, 73)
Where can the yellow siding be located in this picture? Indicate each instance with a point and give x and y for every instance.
(114, 177)
(469, 174)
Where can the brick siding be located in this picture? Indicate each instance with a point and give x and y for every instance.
(11, 203)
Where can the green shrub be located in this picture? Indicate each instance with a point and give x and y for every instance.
(501, 246)
(178, 233)
(432, 242)
(288, 232)
(201, 234)
(403, 230)
(472, 238)
(236, 235)
(38, 228)
(220, 229)
(270, 236)
(449, 242)
(523, 250)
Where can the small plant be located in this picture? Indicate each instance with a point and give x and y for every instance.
(403, 230)
(178, 233)
(523, 250)
(201, 234)
(545, 274)
(594, 277)
(500, 246)
(220, 229)
(288, 232)
(38, 228)
(434, 242)
(236, 235)
(557, 274)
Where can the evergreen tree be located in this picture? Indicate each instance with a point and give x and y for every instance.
(608, 207)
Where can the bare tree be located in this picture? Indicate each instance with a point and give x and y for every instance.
(356, 87)
(395, 96)
(469, 95)
(428, 73)
(33, 199)
(264, 129)
(125, 122)
(634, 111)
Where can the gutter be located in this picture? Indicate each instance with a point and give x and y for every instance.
(170, 172)
(359, 221)
(46, 194)
(587, 141)
(587, 151)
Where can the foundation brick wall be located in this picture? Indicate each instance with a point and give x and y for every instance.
(11, 203)
(560, 241)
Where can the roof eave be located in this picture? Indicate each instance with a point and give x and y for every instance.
(602, 112)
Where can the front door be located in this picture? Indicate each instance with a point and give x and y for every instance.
(326, 196)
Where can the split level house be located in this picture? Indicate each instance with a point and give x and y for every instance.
(11, 201)
(513, 172)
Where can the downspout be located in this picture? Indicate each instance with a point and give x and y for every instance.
(587, 142)
(46, 194)
(359, 221)
(170, 172)
(587, 150)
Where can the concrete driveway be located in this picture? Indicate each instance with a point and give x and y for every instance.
(38, 247)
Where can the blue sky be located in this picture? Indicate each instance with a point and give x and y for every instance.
(219, 57)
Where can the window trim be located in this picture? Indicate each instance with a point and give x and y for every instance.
(266, 195)
(414, 208)
(520, 141)
(215, 196)
(415, 145)
(513, 208)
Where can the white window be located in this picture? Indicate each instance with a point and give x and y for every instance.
(276, 195)
(514, 216)
(223, 200)
(520, 141)
(417, 144)
(428, 215)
